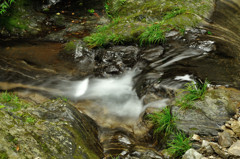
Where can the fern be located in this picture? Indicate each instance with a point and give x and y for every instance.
(5, 5)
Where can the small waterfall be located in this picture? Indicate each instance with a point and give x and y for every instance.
(116, 94)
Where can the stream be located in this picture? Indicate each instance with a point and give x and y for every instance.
(117, 85)
(115, 102)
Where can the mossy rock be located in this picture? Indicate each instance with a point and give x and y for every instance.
(217, 107)
(21, 20)
(147, 22)
(54, 129)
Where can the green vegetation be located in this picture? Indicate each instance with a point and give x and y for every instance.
(91, 10)
(193, 91)
(3, 155)
(11, 138)
(27, 118)
(117, 157)
(70, 46)
(163, 122)
(209, 33)
(5, 5)
(147, 22)
(179, 145)
(19, 18)
(104, 35)
(11, 101)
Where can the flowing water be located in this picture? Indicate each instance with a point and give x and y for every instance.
(37, 66)
(115, 93)
(113, 102)
(116, 102)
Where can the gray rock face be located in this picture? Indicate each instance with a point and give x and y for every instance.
(192, 154)
(209, 114)
(52, 130)
(153, 53)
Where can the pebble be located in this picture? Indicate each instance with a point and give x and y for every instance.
(196, 137)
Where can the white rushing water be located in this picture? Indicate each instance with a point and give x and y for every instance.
(116, 94)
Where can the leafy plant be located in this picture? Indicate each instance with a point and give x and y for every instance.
(69, 46)
(193, 91)
(163, 122)
(107, 9)
(153, 34)
(91, 10)
(12, 101)
(5, 5)
(117, 157)
(174, 13)
(2, 106)
(104, 35)
(30, 120)
(209, 32)
(7, 97)
(179, 145)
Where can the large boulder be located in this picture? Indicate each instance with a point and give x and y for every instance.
(210, 113)
(54, 129)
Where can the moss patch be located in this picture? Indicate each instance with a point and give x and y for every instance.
(147, 22)
(85, 150)
(70, 46)
(3, 155)
(20, 19)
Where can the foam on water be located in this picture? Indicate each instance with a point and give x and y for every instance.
(116, 94)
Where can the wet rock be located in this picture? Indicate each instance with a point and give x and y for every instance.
(71, 28)
(225, 139)
(112, 70)
(128, 54)
(207, 46)
(235, 149)
(193, 121)
(153, 53)
(116, 60)
(172, 34)
(54, 129)
(56, 36)
(58, 20)
(151, 97)
(207, 116)
(144, 154)
(23, 22)
(192, 154)
(223, 27)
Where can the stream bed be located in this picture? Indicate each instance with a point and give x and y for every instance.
(115, 99)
